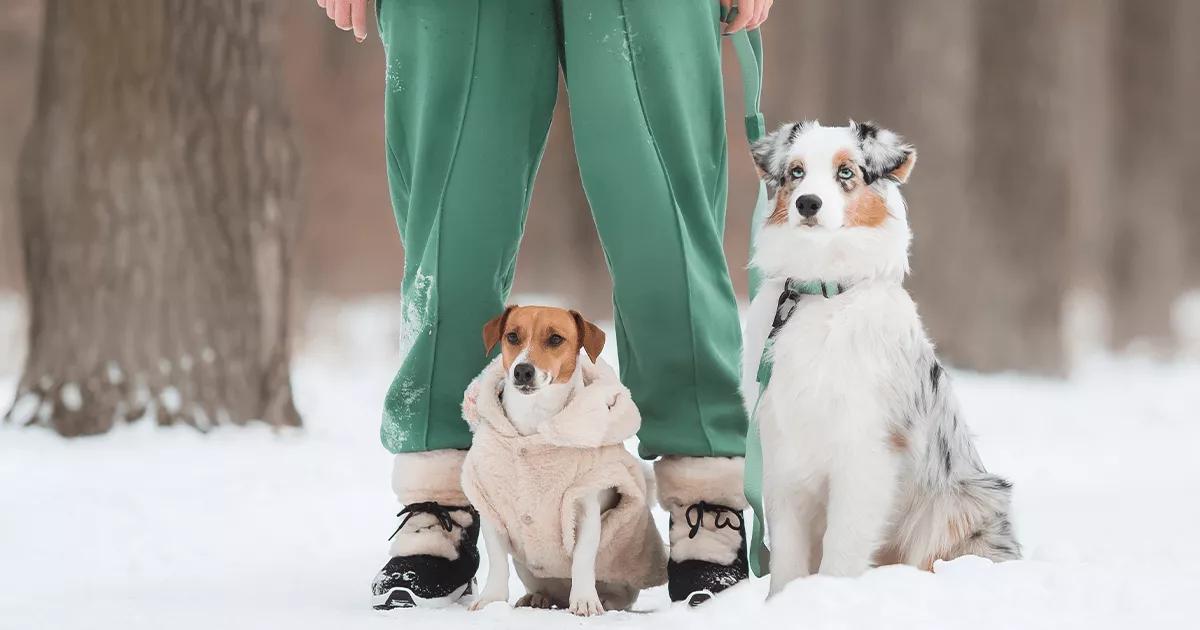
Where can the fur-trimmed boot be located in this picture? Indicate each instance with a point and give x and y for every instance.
(434, 550)
(708, 535)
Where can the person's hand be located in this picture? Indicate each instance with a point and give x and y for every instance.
(348, 15)
(750, 14)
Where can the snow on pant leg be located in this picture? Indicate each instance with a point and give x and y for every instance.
(647, 110)
(470, 91)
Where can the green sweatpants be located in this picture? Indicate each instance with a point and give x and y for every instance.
(471, 87)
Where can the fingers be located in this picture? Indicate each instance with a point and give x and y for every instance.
(358, 18)
(764, 8)
(341, 15)
(746, 11)
(728, 5)
(348, 15)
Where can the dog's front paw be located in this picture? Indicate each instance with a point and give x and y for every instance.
(535, 600)
(485, 600)
(586, 605)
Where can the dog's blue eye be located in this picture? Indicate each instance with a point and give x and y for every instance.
(797, 172)
(555, 340)
(845, 173)
(513, 338)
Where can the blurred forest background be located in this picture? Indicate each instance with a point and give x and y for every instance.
(1054, 203)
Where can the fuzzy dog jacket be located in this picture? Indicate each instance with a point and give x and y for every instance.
(528, 486)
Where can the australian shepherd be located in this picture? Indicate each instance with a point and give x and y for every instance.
(866, 457)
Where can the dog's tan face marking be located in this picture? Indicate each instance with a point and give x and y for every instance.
(864, 206)
(866, 209)
(550, 338)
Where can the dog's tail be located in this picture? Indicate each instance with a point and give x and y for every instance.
(984, 502)
(970, 517)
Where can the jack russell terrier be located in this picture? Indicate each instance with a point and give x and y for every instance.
(866, 459)
(548, 471)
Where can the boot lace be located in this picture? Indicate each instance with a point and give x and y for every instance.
(439, 511)
(723, 516)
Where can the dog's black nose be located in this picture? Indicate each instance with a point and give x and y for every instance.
(808, 205)
(523, 374)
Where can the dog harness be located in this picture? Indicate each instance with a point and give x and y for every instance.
(760, 554)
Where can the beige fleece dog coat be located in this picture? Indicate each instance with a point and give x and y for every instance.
(528, 486)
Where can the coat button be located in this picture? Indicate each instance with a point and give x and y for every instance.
(523, 450)
(527, 519)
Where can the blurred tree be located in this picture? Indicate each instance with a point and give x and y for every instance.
(157, 207)
(1149, 254)
(1019, 171)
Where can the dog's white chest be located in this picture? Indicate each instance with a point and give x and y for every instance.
(832, 361)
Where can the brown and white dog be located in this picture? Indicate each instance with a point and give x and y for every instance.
(546, 463)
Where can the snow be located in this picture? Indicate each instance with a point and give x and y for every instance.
(150, 527)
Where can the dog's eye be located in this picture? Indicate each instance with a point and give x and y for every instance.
(513, 338)
(845, 173)
(555, 341)
(797, 172)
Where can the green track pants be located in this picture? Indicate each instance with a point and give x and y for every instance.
(471, 87)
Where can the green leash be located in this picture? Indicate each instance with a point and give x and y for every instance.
(748, 46)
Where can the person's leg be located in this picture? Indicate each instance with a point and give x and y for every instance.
(470, 91)
(644, 78)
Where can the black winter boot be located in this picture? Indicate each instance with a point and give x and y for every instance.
(434, 552)
(426, 579)
(708, 534)
(696, 581)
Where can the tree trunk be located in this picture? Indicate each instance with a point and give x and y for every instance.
(932, 79)
(157, 206)
(1188, 70)
(1149, 253)
(1087, 88)
(1018, 177)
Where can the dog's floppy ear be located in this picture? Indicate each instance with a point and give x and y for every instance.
(886, 154)
(494, 329)
(591, 338)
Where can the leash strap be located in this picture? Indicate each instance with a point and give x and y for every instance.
(748, 46)
(760, 553)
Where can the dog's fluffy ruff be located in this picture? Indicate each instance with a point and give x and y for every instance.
(684, 481)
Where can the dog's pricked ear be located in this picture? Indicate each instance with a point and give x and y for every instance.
(770, 153)
(886, 153)
(591, 338)
(900, 173)
(494, 329)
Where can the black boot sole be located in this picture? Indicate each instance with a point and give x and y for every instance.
(400, 597)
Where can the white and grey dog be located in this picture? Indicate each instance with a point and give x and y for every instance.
(866, 459)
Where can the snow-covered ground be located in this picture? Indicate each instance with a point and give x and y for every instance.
(248, 528)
